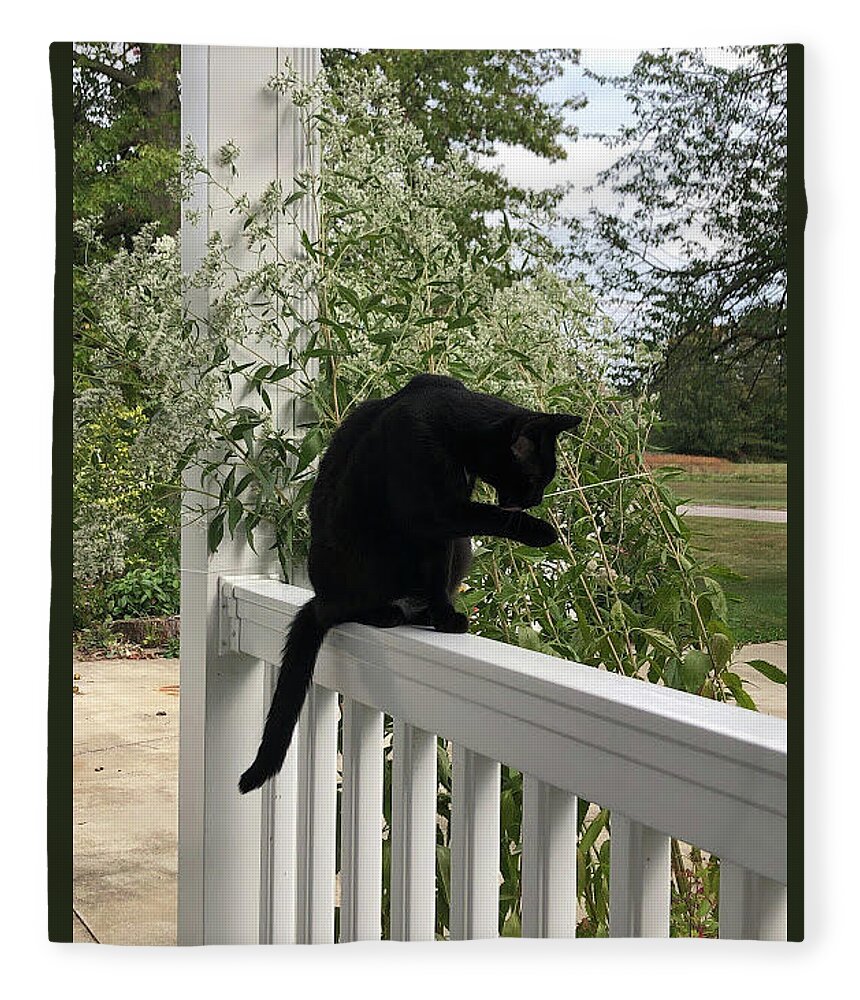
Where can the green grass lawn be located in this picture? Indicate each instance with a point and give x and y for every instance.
(757, 551)
(731, 493)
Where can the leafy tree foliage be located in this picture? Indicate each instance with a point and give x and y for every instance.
(698, 239)
(473, 99)
(708, 407)
(126, 129)
(126, 183)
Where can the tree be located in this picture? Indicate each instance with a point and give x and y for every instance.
(126, 129)
(698, 239)
(125, 191)
(712, 405)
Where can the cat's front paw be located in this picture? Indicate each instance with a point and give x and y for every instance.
(536, 533)
(454, 621)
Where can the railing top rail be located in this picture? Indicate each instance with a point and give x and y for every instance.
(710, 773)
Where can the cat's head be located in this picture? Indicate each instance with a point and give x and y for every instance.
(521, 464)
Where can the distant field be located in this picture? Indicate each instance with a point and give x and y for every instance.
(706, 468)
(757, 551)
(708, 480)
(730, 493)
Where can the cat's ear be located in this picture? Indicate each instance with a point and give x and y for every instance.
(559, 422)
(541, 425)
(551, 423)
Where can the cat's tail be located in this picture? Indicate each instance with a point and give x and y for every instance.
(300, 655)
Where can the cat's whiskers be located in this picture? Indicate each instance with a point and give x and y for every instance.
(592, 486)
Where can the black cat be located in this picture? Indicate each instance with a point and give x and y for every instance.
(392, 517)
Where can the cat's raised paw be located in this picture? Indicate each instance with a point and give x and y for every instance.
(537, 533)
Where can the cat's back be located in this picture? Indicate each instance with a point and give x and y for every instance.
(371, 443)
(418, 403)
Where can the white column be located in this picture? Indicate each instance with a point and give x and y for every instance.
(224, 697)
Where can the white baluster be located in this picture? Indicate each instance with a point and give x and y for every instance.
(361, 823)
(413, 834)
(751, 907)
(476, 788)
(278, 854)
(548, 860)
(639, 880)
(317, 753)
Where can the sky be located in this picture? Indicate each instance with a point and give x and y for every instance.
(606, 111)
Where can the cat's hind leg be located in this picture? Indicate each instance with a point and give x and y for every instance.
(435, 571)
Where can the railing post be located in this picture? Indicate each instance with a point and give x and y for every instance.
(639, 880)
(549, 830)
(361, 823)
(278, 834)
(413, 834)
(751, 907)
(476, 788)
(317, 817)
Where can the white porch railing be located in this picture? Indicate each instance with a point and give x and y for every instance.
(667, 764)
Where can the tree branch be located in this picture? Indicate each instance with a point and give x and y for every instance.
(113, 72)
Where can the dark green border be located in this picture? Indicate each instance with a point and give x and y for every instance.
(796, 221)
(59, 680)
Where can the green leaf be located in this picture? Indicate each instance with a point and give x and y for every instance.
(443, 763)
(292, 198)
(736, 686)
(511, 926)
(310, 447)
(593, 830)
(721, 648)
(234, 513)
(443, 862)
(770, 670)
(243, 483)
(659, 640)
(695, 667)
(528, 638)
(349, 296)
(461, 321)
(282, 371)
(215, 531)
(306, 243)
